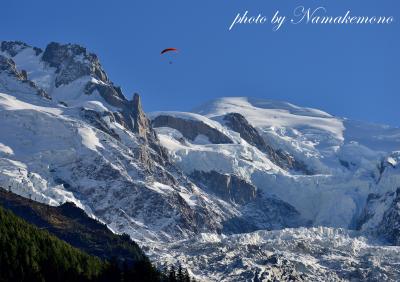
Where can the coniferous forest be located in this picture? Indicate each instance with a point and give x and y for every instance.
(28, 253)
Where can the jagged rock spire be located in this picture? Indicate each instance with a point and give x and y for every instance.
(141, 123)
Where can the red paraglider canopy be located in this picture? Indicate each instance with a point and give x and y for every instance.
(168, 50)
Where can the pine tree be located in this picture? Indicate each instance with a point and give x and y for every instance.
(186, 277)
(172, 274)
(179, 275)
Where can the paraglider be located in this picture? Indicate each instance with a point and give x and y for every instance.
(167, 50)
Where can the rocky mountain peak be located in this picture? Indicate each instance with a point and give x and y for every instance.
(137, 102)
(141, 123)
(72, 61)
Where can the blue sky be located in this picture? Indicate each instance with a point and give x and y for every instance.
(350, 71)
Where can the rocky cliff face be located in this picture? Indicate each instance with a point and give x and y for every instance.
(228, 187)
(384, 210)
(8, 67)
(71, 62)
(390, 225)
(190, 129)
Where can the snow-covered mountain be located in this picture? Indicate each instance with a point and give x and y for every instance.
(323, 166)
(94, 148)
(238, 189)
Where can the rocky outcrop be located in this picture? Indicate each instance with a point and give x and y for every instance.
(190, 129)
(110, 93)
(384, 209)
(389, 227)
(139, 122)
(8, 66)
(72, 62)
(228, 187)
(238, 123)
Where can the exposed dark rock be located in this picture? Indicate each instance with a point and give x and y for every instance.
(369, 210)
(190, 129)
(24, 74)
(72, 62)
(228, 187)
(136, 120)
(141, 124)
(8, 66)
(389, 228)
(63, 103)
(110, 93)
(238, 123)
(346, 164)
